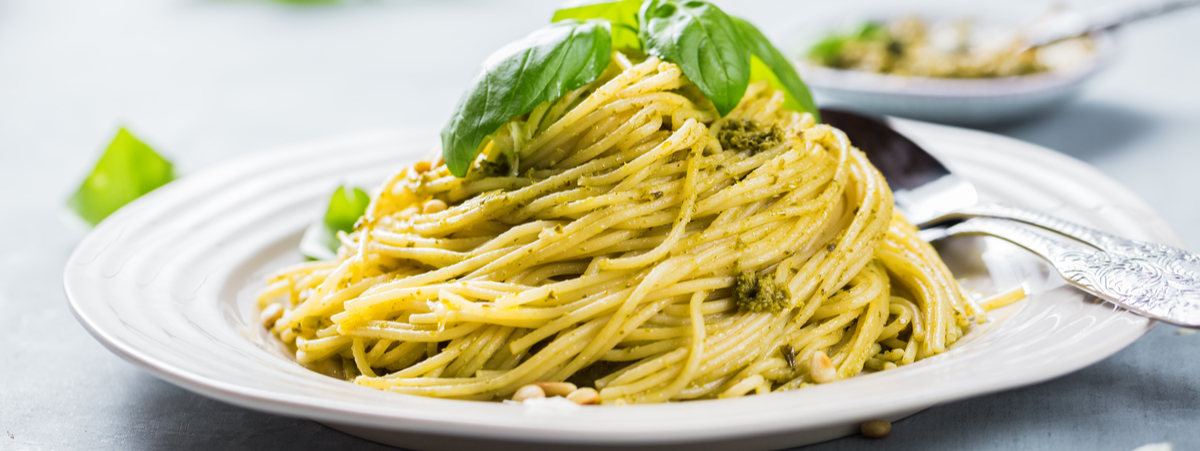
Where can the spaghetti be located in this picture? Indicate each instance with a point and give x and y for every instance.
(626, 238)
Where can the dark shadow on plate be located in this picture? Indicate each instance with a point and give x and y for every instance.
(1082, 129)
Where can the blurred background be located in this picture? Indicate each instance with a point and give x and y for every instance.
(206, 81)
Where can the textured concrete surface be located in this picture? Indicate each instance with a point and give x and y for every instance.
(209, 80)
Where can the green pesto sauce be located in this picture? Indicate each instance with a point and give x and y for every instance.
(760, 293)
(749, 136)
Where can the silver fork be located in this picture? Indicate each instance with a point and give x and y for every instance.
(1154, 280)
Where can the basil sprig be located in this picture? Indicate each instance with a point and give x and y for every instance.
(621, 14)
(776, 69)
(719, 53)
(560, 57)
(346, 205)
(705, 43)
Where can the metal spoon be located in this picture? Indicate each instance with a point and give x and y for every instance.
(1068, 26)
(1154, 280)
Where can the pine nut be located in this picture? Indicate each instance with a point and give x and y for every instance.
(584, 396)
(433, 206)
(821, 368)
(422, 166)
(556, 388)
(528, 392)
(270, 314)
(875, 428)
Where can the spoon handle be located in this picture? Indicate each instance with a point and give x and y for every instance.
(1128, 281)
(1072, 26)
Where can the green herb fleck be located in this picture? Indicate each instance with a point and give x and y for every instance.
(789, 354)
(128, 170)
(498, 168)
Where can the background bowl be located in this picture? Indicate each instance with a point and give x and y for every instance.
(962, 101)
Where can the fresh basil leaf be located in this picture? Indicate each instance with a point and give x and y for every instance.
(128, 169)
(557, 58)
(776, 69)
(705, 43)
(346, 205)
(622, 14)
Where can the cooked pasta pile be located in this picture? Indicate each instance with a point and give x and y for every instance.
(626, 238)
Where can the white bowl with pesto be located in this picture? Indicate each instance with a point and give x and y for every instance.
(961, 101)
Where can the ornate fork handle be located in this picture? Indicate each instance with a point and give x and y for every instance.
(1173, 262)
(1130, 281)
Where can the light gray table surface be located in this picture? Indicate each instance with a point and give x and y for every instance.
(205, 81)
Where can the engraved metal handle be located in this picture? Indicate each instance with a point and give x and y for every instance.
(1136, 280)
(1172, 262)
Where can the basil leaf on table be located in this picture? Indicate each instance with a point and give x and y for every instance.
(557, 58)
(776, 69)
(346, 205)
(621, 14)
(706, 44)
(127, 170)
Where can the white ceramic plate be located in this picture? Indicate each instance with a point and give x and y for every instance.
(167, 284)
